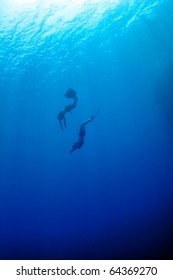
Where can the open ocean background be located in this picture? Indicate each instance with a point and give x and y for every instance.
(113, 198)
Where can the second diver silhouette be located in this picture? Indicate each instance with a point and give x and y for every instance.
(82, 132)
(70, 93)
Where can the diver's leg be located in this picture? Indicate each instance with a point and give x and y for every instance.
(70, 107)
(60, 122)
(65, 124)
(75, 102)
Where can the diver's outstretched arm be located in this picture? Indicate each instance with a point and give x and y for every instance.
(74, 147)
(89, 120)
(71, 151)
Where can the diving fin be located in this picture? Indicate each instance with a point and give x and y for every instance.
(70, 93)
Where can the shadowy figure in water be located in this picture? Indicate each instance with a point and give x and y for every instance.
(70, 93)
(80, 142)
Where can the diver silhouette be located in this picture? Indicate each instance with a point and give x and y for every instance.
(70, 93)
(82, 132)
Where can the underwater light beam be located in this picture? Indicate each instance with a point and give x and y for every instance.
(56, 1)
(65, 2)
(62, 7)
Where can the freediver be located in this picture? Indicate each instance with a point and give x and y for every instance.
(70, 93)
(82, 132)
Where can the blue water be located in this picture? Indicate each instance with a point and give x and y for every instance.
(113, 198)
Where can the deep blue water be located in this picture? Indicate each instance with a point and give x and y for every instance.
(113, 198)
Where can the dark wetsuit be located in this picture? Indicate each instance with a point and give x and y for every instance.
(67, 109)
(80, 142)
